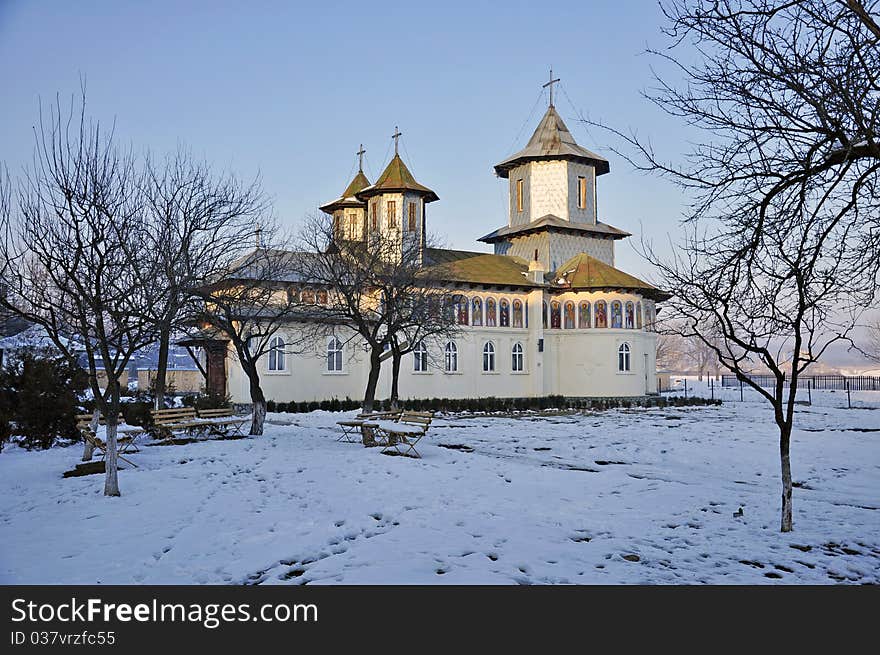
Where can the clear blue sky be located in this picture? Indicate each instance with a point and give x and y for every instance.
(289, 90)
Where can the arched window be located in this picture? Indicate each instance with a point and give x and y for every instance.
(504, 313)
(649, 317)
(623, 357)
(569, 315)
(334, 355)
(639, 315)
(420, 357)
(544, 315)
(477, 312)
(555, 316)
(461, 308)
(629, 315)
(584, 314)
(516, 363)
(488, 357)
(292, 295)
(451, 357)
(322, 297)
(490, 312)
(601, 314)
(276, 354)
(308, 297)
(517, 313)
(616, 314)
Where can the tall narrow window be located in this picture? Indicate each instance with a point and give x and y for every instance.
(555, 316)
(623, 358)
(322, 297)
(374, 216)
(516, 363)
(276, 354)
(334, 355)
(352, 225)
(569, 315)
(413, 221)
(519, 195)
(488, 357)
(544, 315)
(582, 193)
(517, 313)
(490, 312)
(391, 213)
(451, 357)
(584, 314)
(337, 226)
(477, 312)
(420, 357)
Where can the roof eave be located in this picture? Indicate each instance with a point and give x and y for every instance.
(502, 170)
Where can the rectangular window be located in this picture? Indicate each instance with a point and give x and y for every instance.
(582, 193)
(352, 225)
(519, 195)
(413, 222)
(391, 213)
(374, 216)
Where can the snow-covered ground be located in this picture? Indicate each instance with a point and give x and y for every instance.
(626, 496)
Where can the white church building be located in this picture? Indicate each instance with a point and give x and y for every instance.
(546, 313)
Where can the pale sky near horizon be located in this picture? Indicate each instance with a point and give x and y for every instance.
(289, 90)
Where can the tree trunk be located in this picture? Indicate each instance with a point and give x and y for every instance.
(259, 403)
(111, 416)
(372, 379)
(784, 443)
(162, 367)
(395, 377)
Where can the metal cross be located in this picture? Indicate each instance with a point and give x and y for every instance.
(397, 134)
(360, 154)
(550, 84)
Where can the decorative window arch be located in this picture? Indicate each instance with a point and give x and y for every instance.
(639, 315)
(308, 296)
(504, 313)
(629, 315)
(517, 359)
(477, 312)
(584, 314)
(569, 315)
(276, 354)
(451, 357)
(555, 315)
(488, 357)
(623, 358)
(334, 355)
(544, 315)
(461, 310)
(490, 312)
(517, 313)
(616, 314)
(322, 297)
(292, 295)
(420, 357)
(601, 314)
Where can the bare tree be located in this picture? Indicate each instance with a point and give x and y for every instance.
(199, 224)
(873, 345)
(72, 257)
(783, 253)
(250, 305)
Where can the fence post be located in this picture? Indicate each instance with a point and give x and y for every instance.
(712, 387)
(848, 398)
(810, 392)
(685, 387)
(740, 390)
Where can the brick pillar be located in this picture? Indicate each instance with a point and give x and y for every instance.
(215, 366)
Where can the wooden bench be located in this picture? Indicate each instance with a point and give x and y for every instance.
(177, 419)
(125, 436)
(352, 428)
(402, 435)
(221, 421)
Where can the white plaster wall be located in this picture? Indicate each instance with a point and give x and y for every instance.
(575, 213)
(549, 189)
(575, 362)
(519, 173)
(555, 248)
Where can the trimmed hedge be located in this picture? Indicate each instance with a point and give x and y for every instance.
(492, 404)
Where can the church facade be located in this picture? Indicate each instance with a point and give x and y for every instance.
(546, 313)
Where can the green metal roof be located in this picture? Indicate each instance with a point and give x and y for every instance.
(477, 268)
(585, 272)
(349, 196)
(396, 177)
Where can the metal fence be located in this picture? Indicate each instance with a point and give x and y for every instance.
(836, 382)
